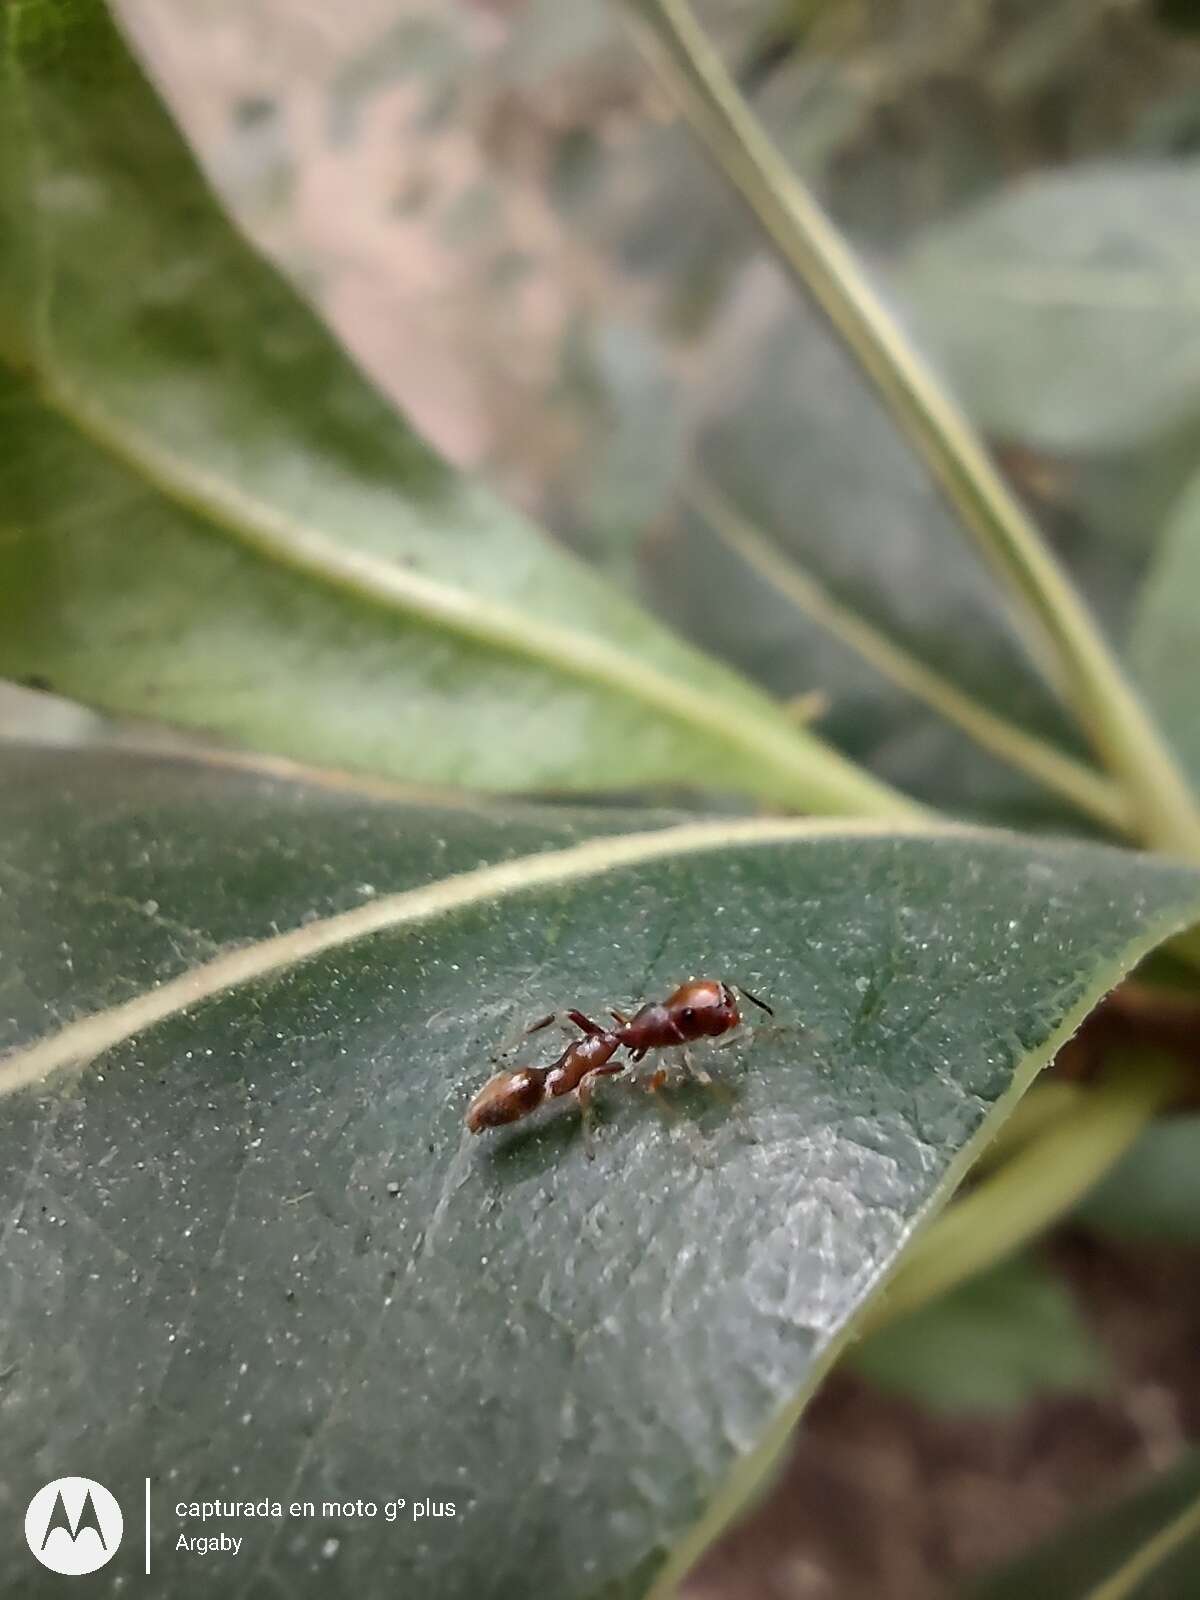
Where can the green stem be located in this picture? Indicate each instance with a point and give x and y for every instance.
(1061, 632)
(1130, 1576)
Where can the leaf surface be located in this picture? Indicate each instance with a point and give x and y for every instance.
(250, 1250)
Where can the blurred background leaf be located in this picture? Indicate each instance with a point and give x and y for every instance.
(797, 444)
(212, 520)
(1154, 1191)
(1065, 310)
(996, 1342)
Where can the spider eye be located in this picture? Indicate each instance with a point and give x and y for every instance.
(687, 1014)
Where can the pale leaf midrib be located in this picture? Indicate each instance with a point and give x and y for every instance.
(80, 1041)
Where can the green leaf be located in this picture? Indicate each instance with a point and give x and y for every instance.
(1064, 309)
(208, 517)
(242, 1225)
(990, 1345)
(1164, 643)
(1145, 1548)
(1154, 1191)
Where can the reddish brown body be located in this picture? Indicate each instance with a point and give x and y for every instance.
(702, 1008)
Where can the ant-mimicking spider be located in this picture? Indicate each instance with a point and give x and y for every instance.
(701, 1008)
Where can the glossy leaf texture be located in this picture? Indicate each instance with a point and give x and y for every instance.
(1165, 641)
(249, 1249)
(1063, 310)
(1121, 1542)
(209, 518)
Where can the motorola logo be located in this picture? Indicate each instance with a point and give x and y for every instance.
(73, 1525)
